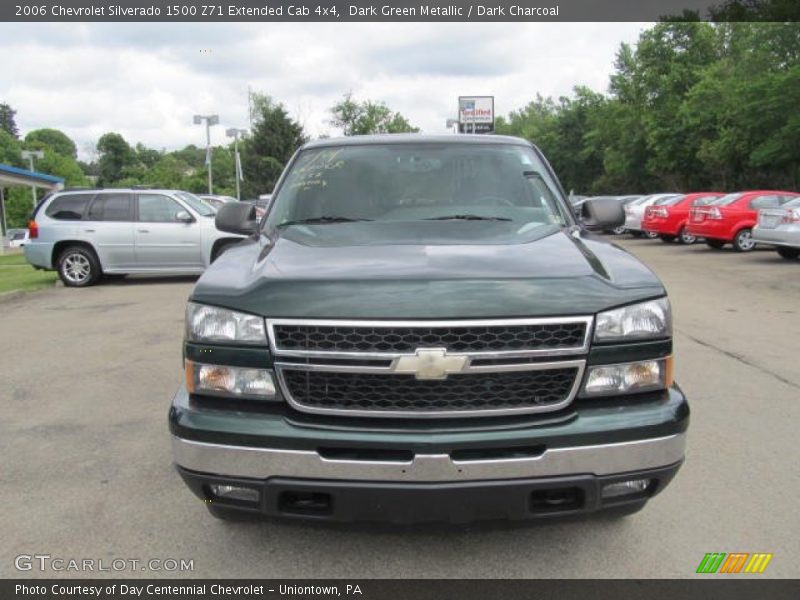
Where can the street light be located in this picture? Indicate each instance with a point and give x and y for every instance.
(236, 134)
(210, 120)
(30, 155)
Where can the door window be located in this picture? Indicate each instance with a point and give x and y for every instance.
(157, 208)
(69, 207)
(110, 207)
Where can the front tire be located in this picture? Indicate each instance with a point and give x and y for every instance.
(650, 235)
(78, 267)
(715, 244)
(619, 230)
(788, 253)
(743, 240)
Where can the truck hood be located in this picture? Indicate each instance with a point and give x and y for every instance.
(555, 273)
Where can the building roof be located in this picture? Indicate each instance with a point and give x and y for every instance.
(15, 176)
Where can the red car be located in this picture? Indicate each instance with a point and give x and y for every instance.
(668, 217)
(730, 219)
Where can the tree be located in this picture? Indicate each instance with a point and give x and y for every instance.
(273, 140)
(7, 120)
(115, 156)
(367, 117)
(55, 140)
(10, 149)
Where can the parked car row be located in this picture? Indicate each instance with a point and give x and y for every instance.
(742, 219)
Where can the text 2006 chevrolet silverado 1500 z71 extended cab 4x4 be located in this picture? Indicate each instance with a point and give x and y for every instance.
(419, 330)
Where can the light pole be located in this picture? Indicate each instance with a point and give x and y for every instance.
(30, 155)
(210, 120)
(452, 123)
(236, 134)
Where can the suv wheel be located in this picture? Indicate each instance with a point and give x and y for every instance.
(78, 267)
(716, 244)
(650, 235)
(743, 240)
(619, 230)
(686, 237)
(788, 253)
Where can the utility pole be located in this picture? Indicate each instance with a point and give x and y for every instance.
(235, 134)
(30, 155)
(210, 120)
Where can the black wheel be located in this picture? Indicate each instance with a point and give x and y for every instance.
(685, 237)
(78, 267)
(716, 244)
(788, 253)
(743, 240)
(223, 513)
(619, 230)
(650, 235)
(667, 238)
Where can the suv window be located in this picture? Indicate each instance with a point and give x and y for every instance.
(69, 207)
(110, 207)
(765, 202)
(157, 208)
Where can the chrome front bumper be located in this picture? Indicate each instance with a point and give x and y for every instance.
(265, 463)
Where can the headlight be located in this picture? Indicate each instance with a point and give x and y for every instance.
(212, 324)
(232, 382)
(628, 378)
(646, 320)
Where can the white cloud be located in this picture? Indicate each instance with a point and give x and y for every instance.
(146, 81)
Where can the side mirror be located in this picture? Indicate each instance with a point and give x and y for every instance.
(184, 217)
(602, 213)
(237, 217)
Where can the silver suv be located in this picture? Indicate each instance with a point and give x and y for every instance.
(84, 234)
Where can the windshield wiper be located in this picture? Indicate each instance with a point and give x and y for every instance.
(320, 221)
(466, 218)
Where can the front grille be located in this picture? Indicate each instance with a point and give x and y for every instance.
(391, 393)
(401, 339)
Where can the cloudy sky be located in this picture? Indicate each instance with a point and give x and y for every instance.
(146, 81)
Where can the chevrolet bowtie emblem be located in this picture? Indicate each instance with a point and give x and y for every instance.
(430, 363)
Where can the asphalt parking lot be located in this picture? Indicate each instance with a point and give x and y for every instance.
(87, 377)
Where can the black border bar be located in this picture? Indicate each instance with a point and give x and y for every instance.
(707, 587)
(332, 11)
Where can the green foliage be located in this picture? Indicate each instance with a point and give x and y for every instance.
(7, 120)
(273, 140)
(10, 149)
(53, 139)
(692, 105)
(368, 117)
(115, 158)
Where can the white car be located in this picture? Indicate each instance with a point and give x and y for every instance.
(17, 238)
(634, 213)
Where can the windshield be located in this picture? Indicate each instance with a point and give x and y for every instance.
(725, 200)
(197, 205)
(426, 182)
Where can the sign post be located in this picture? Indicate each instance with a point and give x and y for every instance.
(476, 114)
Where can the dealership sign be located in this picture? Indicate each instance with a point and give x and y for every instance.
(476, 114)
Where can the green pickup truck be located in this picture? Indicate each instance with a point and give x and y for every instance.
(419, 329)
